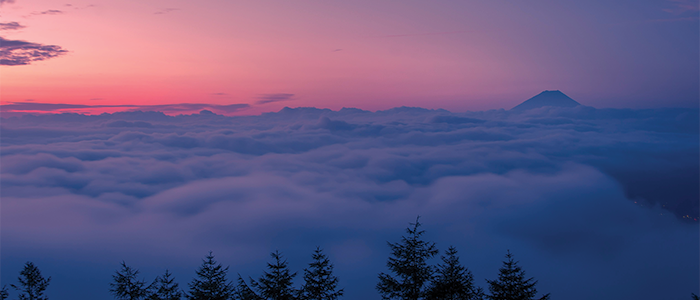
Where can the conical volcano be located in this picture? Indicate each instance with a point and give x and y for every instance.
(547, 98)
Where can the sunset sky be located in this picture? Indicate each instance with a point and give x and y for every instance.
(155, 131)
(264, 55)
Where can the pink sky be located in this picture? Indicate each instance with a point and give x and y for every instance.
(366, 54)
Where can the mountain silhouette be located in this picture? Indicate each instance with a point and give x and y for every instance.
(547, 98)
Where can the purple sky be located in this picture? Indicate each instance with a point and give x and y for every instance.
(456, 55)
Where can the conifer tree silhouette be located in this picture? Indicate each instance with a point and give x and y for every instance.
(31, 283)
(511, 283)
(3, 293)
(319, 281)
(276, 284)
(165, 288)
(126, 286)
(244, 292)
(408, 263)
(211, 282)
(695, 297)
(452, 281)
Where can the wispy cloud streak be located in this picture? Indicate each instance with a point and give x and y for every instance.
(165, 11)
(683, 6)
(16, 52)
(270, 98)
(15, 107)
(11, 26)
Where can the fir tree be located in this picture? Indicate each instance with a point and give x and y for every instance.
(277, 283)
(319, 282)
(3, 293)
(244, 292)
(165, 288)
(31, 284)
(125, 285)
(511, 283)
(211, 282)
(408, 263)
(452, 281)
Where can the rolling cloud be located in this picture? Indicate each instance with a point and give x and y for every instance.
(16, 52)
(592, 200)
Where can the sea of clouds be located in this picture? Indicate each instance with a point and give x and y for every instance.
(594, 203)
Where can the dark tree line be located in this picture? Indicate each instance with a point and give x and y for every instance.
(412, 278)
(409, 277)
(212, 283)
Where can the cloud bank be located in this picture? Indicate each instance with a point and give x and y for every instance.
(601, 202)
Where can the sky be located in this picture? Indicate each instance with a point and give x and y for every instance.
(153, 132)
(261, 56)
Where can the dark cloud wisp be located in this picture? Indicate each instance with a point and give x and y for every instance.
(270, 98)
(51, 12)
(16, 52)
(11, 26)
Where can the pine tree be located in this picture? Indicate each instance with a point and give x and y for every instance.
(211, 282)
(244, 292)
(3, 293)
(277, 283)
(31, 284)
(452, 281)
(319, 282)
(165, 288)
(126, 286)
(511, 283)
(409, 265)
(695, 297)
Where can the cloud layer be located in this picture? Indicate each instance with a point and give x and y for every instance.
(601, 202)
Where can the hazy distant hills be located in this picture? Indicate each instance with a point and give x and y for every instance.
(547, 98)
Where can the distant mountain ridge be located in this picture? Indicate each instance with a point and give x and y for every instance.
(547, 98)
